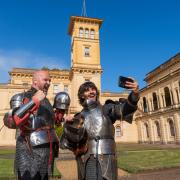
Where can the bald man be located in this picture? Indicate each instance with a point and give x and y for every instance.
(33, 114)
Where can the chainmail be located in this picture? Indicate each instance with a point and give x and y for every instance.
(31, 164)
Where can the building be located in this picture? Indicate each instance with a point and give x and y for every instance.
(158, 120)
(85, 66)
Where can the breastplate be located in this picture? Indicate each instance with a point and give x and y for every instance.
(40, 126)
(97, 124)
(42, 118)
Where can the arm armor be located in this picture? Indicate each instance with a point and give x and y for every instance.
(74, 135)
(23, 113)
(122, 110)
(9, 121)
(15, 103)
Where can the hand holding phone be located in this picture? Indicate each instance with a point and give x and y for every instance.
(122, 81)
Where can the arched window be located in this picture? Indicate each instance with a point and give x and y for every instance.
(155, 102)
(167, 96)
(171, 127)
(145, 105)
(158, 129)
(81, 32)
(86, 33)
(117, 131)
(146, 130)
(92, 33)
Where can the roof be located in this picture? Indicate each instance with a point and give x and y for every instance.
(84, 19)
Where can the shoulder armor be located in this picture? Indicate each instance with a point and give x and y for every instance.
(16, 100)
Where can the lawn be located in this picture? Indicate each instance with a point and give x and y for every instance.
(7, 164)
(131, 157)
(135, 158)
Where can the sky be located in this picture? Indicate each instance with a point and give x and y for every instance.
(136, 35)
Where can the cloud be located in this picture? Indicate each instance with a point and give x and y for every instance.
(25, 59)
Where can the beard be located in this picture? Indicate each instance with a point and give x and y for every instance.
(45, 89)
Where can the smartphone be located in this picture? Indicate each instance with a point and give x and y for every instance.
(122, 81)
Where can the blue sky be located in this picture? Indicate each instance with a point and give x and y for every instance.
(136, 35)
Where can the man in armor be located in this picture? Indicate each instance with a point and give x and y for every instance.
(61, 105)
(37, 144)
(97, 160)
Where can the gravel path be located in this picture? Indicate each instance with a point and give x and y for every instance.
(67, 166)
(69, 172)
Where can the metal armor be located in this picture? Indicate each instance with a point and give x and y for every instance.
(74, 134)
(101, 142)
(61, 101)
(35, 122)
(42, 125)
(16, 100)
(15, 103)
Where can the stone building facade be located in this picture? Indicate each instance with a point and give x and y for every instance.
(158, 118)
(85, 66)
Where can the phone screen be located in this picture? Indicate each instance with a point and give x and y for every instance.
(122, 81)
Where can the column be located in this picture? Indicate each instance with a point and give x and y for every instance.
(149, 103)
(164, 101)
(177, 127)
(160, 99)
(175, 100)
(151, 132)
(140, 137)
(163, 130)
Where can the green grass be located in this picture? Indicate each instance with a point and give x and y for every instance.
(7, 165)
(131, 157)
(8, 151)
(6, 168)
(136, 158)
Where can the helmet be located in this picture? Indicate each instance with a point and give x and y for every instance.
(74, 134)
(61, 101)
(16, 101)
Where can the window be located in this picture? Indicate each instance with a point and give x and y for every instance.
(171, 127)
(86, 33)
(145, 105)
(167, 96)
(117, 131)
(66, 88)
(80, 32)
(158, 129)
(86, 51)
(92, 34)
(55, 89)
(155, 102)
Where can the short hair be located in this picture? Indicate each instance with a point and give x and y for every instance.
(84, 87)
